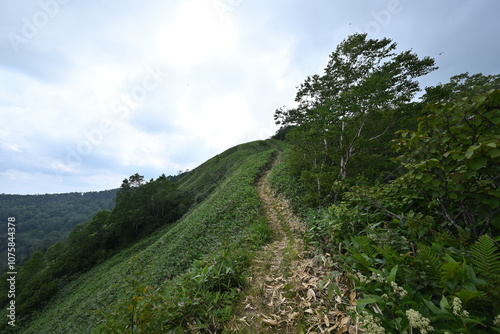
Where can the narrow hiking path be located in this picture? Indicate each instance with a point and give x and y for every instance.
(284, 293)
(266, 306)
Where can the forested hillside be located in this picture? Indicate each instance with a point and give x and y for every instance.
(46, 219)
(140, 247)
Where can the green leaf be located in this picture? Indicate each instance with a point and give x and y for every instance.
(331, 290)
(392, 275)
(472, 321)
(495, 193)
(426, 178)
(205, 270)
(468, 295)
(493, 203)
(434, 309)
(470, 151)
(361, 260)
(432, 261)
(494, 153)
(478, 163)
(486, 256)
(433, 162)
(458, 156)
(495, 120)
(366, 301)
(444, 304)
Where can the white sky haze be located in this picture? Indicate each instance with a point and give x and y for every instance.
(94, 91)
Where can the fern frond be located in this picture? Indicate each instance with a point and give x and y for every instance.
(486, 256)
(432, 262)
(366, 245)
(386, 251)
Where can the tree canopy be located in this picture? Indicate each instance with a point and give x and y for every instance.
(364, 83)
(460, 86)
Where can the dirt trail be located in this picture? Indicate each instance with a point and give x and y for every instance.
(284, 293)
(269, 304)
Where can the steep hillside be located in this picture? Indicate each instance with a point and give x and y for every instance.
(227, 208)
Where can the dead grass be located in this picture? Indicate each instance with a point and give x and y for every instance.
(287, 290)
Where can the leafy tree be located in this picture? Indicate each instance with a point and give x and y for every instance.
(453, 161)
(143, 206)
(351, 105)
(460, 86)
(136, 180)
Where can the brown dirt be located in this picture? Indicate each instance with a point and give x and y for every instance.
(286, 293)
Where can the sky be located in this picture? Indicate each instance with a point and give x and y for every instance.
(94, 91)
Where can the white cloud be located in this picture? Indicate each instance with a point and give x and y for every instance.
(226, 76)
(222, 122)
(195, 35)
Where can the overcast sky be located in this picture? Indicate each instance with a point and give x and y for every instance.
(94, 91)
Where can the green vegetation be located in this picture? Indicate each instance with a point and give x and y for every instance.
(420, 244)
(460, 86)
(214, 239)
(140, 209)
(402, 195)
(283, 180)
(349, 111)
(48, 218)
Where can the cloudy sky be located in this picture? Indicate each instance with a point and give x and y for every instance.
(94, 91)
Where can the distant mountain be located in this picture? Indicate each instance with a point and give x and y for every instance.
(42, 220)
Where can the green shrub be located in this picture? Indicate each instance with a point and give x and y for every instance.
(419, 249)
(201, 299)
(453, 162)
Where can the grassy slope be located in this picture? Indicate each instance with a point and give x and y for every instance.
(227, 204)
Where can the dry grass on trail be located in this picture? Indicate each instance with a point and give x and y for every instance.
(284, 293)
(269, 304)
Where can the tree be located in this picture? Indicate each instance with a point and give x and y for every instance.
(364, 83)
(136, 180)
(460, 86)
(141, 207)
(453, 162)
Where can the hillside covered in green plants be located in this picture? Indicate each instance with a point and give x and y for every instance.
(399, 197)
(139, 248)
